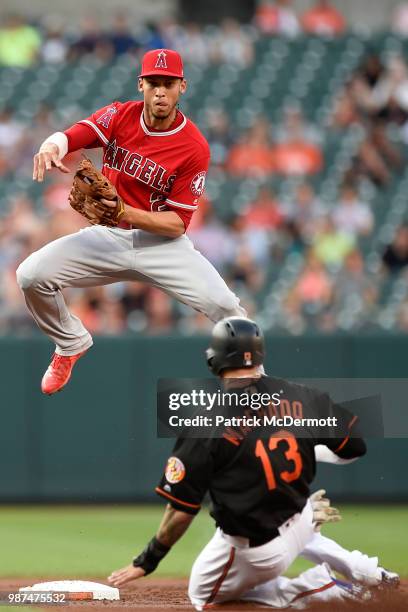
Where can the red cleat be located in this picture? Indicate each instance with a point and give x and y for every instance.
(58, 372)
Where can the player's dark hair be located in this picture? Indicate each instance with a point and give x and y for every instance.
(235, 343)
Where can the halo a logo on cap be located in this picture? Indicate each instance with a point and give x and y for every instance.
(248, 358)
(161, 60)
(175, 470)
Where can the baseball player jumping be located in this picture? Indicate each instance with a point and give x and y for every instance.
(259, 489)
(157, 160)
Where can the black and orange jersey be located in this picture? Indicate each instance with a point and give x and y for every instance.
(258, 478)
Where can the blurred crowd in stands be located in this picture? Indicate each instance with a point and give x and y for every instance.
(249, 246)
(23, 43)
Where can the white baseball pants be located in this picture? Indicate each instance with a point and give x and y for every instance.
(228, 570)
(315, 585)
(100, 255)
(353, 565)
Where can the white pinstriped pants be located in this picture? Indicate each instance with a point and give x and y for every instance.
(99, 255)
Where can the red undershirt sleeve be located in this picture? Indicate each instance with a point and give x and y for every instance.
(81, 136)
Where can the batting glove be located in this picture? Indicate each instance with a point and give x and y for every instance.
(322, 511)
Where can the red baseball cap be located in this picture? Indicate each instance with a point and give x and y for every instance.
(162, 62)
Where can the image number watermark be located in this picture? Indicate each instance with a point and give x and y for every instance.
(21, 598)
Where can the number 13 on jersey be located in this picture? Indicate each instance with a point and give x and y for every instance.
(291, 453)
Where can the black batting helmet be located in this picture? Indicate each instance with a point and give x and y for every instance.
(235, 343)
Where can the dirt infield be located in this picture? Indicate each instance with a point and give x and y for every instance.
(155, 594)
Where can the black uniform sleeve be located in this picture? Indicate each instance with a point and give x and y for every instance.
(187, 475)
(343, 437)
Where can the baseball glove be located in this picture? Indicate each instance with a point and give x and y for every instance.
(89, 188)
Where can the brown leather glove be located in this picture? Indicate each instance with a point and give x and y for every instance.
(89, 188)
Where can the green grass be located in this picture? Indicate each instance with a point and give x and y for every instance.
(80, 542)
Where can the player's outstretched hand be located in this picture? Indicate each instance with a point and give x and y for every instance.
(45, 159)
(124, 575)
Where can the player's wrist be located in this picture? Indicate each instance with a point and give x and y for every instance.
(57, 144)
(49, 147)
(150, 558)
(128, 216)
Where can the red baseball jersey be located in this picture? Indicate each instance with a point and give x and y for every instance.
(150, 169)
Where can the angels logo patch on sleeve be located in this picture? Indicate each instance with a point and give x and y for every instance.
(106, 118)
(198, 183)
(175, 470)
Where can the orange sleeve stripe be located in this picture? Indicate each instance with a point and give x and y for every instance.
(343, 444)
(179, 501)
(347, 438)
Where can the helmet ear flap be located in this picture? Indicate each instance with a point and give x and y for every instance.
(210, 355)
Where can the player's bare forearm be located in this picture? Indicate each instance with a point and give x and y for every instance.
(166, 223)
(174, 524)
